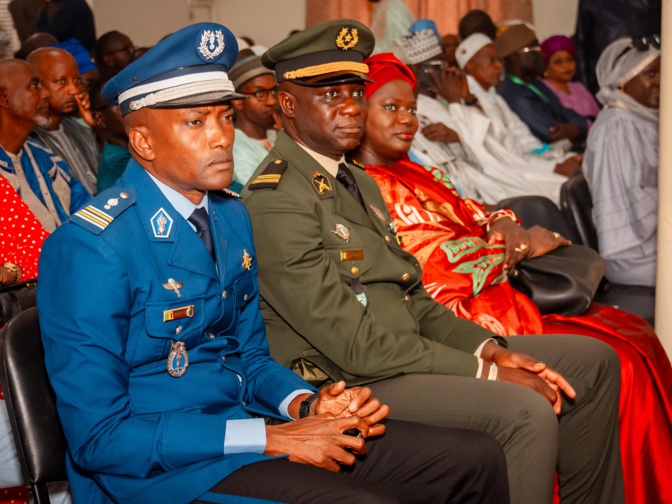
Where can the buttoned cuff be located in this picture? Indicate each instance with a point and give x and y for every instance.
(245, 436)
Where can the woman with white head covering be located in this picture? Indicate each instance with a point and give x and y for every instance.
(621, 159)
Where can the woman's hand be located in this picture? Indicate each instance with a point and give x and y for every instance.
(542, 241)
(515, 238)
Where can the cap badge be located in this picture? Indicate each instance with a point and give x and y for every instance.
(212, 44)
(162, 223)
(347, 39)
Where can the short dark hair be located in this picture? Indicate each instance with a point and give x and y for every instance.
(477, 21)
(101, 47)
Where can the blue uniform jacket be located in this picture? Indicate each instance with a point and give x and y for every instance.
(135, 434)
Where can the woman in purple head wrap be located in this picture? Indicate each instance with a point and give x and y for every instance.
(560, 55)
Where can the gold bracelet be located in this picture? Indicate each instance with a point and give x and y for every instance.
(13, 268)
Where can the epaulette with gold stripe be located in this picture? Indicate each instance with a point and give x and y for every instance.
(269, 178)
(103, 209)
(356, 163)
(231, 193)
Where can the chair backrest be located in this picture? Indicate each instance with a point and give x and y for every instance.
(537, 211)
(31, 403)
(16, 298)
(577, 205)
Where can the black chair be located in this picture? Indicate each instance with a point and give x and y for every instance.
(537, 211)
(31, 405)
(16, 298)
(577, 205)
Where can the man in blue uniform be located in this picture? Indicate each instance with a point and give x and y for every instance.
(149, 308)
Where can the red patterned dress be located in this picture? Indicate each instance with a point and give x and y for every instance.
(21, 238)
(461, 270)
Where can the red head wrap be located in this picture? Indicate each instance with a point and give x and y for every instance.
(384, 68)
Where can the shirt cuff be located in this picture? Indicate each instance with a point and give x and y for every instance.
(245, 436)
(478, 352)
(283, 409)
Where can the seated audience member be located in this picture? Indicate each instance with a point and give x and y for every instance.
(87, 68)
(489, 163)
(21, 238)
(133, 356)
(465, 253)
(35, 41)
(342, 300)
(450, 43)
(73, 142)
(41, 178)
(560, 56)
(478, 58)
(621, 164)
(255, 117)
(115, 155)
(530, 98)
(66, 19)
(477, 21)
(113, 52)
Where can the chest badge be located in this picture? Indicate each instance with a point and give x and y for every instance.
(342, 232)
(321, 183)
(178, 359)
(173, 285)
(161, 223)
(247, 260)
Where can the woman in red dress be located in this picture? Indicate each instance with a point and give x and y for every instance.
(21, 238)
(465, 254)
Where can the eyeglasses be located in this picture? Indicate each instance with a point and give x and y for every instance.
(262, 94)
(641, 44)
(128, 49)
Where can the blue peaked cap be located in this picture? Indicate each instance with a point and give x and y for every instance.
(185, 69)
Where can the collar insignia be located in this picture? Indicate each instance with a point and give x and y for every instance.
(321, 183)
(377, 213)
(212, 44)
(347, 39)
(162, 223)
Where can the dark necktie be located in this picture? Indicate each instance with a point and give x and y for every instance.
(200, 221)
(345, 177)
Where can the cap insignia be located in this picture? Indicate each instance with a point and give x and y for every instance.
(347, 39)
(212, 44)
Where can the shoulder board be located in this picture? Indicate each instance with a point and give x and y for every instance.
(231, 193)
(103, 209)
(355, 163)
(269, 178)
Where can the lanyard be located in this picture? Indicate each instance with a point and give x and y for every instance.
(533, 88)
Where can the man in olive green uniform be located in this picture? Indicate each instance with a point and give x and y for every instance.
(342, 300)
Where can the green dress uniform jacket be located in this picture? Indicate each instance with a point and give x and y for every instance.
(340, 298)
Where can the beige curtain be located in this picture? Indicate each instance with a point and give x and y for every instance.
(445, 13)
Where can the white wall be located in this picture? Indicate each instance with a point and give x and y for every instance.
(554, 17)
(147, 21)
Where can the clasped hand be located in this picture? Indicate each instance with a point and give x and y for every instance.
(527, 371)
(319, 439)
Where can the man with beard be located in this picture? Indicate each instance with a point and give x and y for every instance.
(75, 143)
(255, 117)
(41, 178)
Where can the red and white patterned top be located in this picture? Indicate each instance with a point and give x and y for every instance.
(21, 234)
